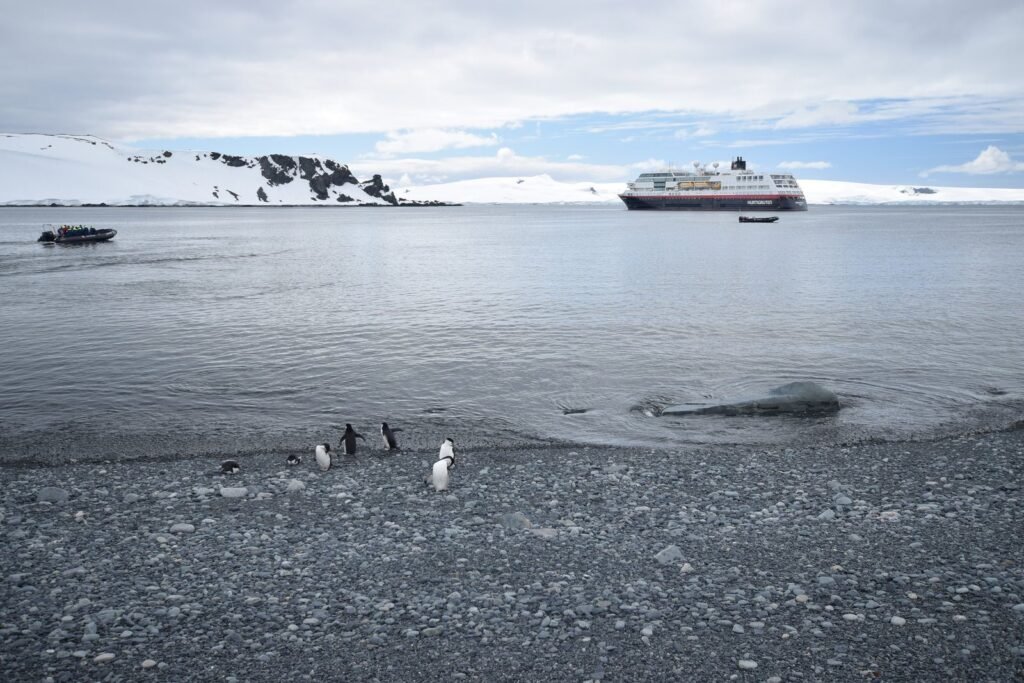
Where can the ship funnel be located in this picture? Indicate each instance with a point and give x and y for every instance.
(739, 164)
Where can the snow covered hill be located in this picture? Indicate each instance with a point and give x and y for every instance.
(73, 170)
(544, 190)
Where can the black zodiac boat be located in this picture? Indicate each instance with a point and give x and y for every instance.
(77, 234)
(758, 219)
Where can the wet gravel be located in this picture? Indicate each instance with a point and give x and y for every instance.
(896, 561)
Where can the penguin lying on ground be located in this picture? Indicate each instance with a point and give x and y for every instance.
(446, 461)
(388, 434)
(293, 460)
(323, 456)
(230, 467)
(348, 439)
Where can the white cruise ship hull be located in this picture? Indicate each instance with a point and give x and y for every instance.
(709, 202)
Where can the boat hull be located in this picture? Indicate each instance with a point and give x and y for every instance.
(102, 235)
(711, 203)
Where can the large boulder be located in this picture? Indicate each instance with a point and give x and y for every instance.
(793, 398)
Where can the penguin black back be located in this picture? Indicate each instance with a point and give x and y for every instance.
(230, 467)
(348, 439)
(390, 442)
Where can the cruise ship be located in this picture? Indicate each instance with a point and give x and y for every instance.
(708, 189)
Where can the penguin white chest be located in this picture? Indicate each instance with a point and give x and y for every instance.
(439, 475)
(323, 458)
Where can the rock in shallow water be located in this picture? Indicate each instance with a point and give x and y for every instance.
(793, 399)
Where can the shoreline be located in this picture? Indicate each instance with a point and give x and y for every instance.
(547, 562)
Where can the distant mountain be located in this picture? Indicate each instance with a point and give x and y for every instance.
(545, 190)
(73, 170)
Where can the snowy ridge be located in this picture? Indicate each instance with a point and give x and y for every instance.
(74, 170)
(545, 190)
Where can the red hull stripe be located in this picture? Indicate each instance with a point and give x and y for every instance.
(709, 196)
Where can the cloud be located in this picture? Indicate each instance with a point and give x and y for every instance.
(805, 164)
(312, 67)
(699, 132)
(504, 162)
(827, 113)
(432, 140)
(991, 160)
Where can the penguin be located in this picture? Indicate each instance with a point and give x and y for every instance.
(446, 460)
(348, 439)
(230, 467)
(293, 460)
(448, 451)
(323, 456)
(388, 434)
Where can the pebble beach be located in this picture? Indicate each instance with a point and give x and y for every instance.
(896, 561)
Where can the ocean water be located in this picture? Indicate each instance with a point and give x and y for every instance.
(216, 331)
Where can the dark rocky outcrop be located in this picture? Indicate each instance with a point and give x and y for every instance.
(274, 173)
(261, 195)
(279, 169)
(233, 160)
(377, 188)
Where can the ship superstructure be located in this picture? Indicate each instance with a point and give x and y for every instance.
(708, 189)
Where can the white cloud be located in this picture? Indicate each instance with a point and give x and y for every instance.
(699, 132)
(805, 164)
(432, 140)
(576, 157)
(826, 113)
(504, 162)
(991, 160)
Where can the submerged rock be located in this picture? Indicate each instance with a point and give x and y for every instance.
(793, 398)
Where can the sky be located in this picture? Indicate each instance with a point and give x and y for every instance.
(910, 92)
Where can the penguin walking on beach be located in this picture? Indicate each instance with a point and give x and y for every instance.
(323, 456)
(230, 467)
(293, 459)
(348, 439)
(445, 461)
(388, 434)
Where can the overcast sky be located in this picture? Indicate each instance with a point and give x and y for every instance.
(905, 91)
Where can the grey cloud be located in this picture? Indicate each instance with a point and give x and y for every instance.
(130, 69)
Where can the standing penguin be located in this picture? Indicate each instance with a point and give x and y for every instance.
(348, 439)
(323, 456)
(446, 460)
(388, 435)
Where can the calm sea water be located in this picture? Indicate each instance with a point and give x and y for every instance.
(237, 330)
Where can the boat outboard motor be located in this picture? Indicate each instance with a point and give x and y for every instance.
(47, 236)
